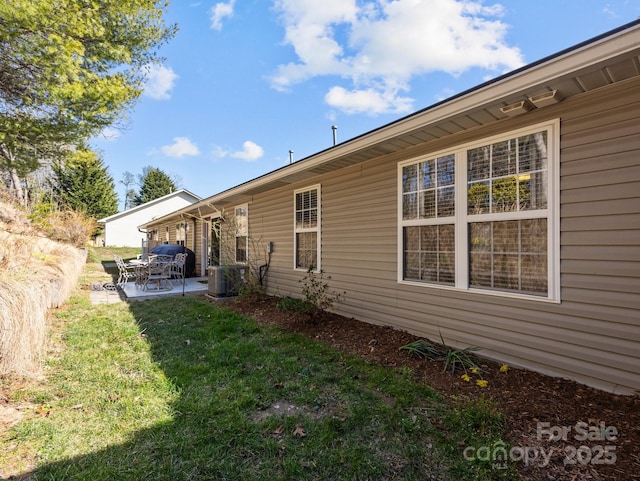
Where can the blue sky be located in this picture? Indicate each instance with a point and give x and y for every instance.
(246, 81)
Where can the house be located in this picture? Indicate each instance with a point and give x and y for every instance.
(122, 229)
(506, 217)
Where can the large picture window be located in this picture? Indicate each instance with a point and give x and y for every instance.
(484, 216)
(307, 228)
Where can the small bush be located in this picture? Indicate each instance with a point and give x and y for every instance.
(70, 227)
(296, 306)
(249, 288)
(317, 294)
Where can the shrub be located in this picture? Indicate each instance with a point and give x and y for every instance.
(317, 294)
(249, 286)
(299, 307)
(71, 227)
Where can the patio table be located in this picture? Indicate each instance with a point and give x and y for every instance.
(156, 273)
(153, 273)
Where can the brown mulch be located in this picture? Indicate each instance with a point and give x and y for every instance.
(525, 397)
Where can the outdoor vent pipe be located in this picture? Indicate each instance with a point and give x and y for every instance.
(291, 156)
(335, 135)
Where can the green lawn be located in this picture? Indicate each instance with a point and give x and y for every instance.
(181, 389)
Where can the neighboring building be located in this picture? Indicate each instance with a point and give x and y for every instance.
(122, 229)
(506, 217)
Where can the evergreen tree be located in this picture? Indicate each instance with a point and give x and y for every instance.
(154, 183)
(82, 183)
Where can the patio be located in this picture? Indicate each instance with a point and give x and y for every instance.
(192, 285)
(108, 293)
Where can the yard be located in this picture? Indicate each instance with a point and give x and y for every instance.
(184, 388)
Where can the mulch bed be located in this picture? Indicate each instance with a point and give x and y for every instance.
(525, 397)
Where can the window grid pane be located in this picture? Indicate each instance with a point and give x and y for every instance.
(306, 249)
(307, 209)
(509, 255)
(508, 176)
(241, 249)
(428, 189)
(429, 253)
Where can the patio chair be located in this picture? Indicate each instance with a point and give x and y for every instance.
(142, 273)
(178, 267)
(124, 271)
(158, 274)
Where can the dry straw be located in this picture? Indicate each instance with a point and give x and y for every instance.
(35, 274)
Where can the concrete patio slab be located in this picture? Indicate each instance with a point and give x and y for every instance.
(107, 293)
(192, 285)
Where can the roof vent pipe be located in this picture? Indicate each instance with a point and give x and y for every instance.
(291, 156)
(335, 136)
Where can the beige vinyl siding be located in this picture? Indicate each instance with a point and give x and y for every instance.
(271, 220)
(195, 243)
(591, 335)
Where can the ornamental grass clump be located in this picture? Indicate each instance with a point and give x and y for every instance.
(423, 349)
(454, 359)
(459, 358)
(35, 274)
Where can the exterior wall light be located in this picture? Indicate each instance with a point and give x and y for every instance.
(518, 108)
(547, 98)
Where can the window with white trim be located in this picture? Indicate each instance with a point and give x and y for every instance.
(181, 233)
(306, 228)
(241, 221)
(484, 216)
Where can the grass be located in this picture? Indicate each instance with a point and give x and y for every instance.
(180, 389)
(105, 254)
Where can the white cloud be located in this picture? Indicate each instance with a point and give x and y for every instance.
(219, 12)
(181, 147)
(379, 46)
(367, 101)
(160, 82)
(250, 152)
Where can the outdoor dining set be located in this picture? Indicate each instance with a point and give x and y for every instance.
(154, 273)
